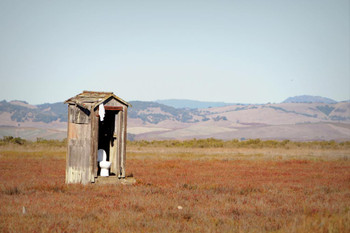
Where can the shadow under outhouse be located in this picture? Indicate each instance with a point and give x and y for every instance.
(96, 120)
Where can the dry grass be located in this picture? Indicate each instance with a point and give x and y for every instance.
(219, 190)
(238, 153)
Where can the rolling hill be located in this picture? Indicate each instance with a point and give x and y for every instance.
(192, 104)
(311, 120)
(309, 99)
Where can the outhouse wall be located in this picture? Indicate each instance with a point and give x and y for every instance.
(79, 146)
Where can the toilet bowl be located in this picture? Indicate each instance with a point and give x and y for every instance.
(104, 165)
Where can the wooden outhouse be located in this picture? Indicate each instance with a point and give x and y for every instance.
(89, 131)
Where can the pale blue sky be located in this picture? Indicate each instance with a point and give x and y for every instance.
(247, 51)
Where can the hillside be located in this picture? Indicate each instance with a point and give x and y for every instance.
(192, 104)
(20, 119)
(309, 99)
(154, 113)
(21, 111)
(151, 120)
(296, 121)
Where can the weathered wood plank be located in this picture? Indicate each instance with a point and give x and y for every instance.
(119, 143)
(68, 154)
(79, 153)
(123, 139)
(114, 147)
(79, 115)
(115, 180)
(114, 108)
(112, 102)
(94, 147)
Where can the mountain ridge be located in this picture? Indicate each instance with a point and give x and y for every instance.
(197, 104)
(192, 104)
(151, 120)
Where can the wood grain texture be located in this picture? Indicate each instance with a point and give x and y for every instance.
(85, 130)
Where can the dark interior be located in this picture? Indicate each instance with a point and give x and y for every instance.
(106, 131)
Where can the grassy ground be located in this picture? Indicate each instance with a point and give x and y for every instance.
(181, 189)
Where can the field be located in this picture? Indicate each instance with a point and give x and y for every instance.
(192, 186)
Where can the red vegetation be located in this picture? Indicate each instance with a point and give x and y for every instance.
(215, 196)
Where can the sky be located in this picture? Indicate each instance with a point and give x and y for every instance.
(247, 51)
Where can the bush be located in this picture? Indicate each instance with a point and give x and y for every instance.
(51, 142)
(39, 141)
(235, 143)
(10, 139)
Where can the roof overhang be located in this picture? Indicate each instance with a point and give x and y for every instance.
(92, 99)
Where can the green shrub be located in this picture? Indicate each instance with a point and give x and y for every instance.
(14, 140)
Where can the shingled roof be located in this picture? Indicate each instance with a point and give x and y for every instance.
(89, 99)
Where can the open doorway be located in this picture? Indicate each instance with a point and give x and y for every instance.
(107, 138)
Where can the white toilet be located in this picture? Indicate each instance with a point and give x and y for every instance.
(104, 165)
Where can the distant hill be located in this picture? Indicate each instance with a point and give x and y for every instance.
(294, 121)
(303, 119)
(20, 119)
(152, 112)
(193, 104)
(309, 99)
(21, 111)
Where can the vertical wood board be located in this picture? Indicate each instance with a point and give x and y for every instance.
(79, 154)
(124, 138)
(94, 147)
(119, 141)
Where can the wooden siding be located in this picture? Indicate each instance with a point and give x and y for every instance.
(119, 142)
(68, 151)
(113, 153)
(113, 102)
(94, 147)
(79, 150)
(123, 141)
(83, 139)
(78, 114)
